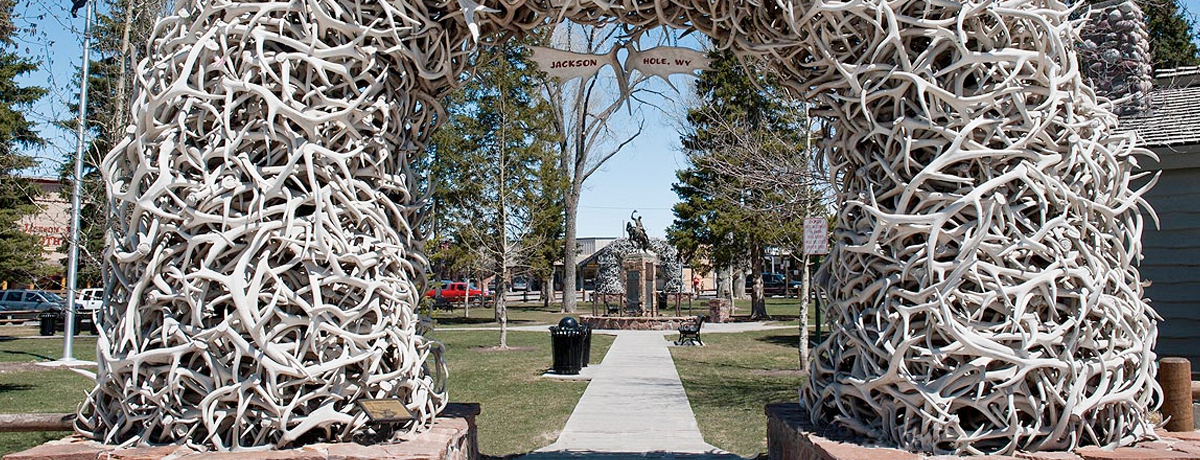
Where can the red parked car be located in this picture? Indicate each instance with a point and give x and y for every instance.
(454, 292)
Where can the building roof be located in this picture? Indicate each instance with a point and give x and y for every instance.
(1174, 115)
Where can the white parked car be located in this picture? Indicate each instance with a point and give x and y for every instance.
(90, 299)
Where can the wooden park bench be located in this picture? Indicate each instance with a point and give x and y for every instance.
(689, 333)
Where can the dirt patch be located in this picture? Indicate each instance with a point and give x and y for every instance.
(549, 437)
(501, 350)
(777, 372)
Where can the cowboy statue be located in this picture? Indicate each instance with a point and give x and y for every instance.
(637, 233)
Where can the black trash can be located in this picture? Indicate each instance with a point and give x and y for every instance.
(48, 323)
(567, 345)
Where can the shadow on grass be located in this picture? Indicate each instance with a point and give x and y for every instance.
(7, 338)
(26, 353)
(7, 387)
(747, 390)
(790, 341)
(460, 321)
(718, 364)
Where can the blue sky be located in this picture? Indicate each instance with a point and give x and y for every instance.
(639, 178)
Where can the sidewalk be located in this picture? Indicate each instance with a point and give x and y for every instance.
(634, 407)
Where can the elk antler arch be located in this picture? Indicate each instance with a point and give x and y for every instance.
(266, 251)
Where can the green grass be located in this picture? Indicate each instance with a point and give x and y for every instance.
(520, 411)
(729, 380)
(50, 391)
(519, 314)
(21, 348)
(780, 309)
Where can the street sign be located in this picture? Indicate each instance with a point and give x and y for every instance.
(816, 236)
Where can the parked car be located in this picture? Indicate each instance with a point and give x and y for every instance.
(24, 299)
(453, 292)
(90, 299)
(775, 284)
(520, 283)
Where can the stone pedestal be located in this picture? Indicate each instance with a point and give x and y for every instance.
(792, 436)
(452, 437)
(719, 310)
(639, 283)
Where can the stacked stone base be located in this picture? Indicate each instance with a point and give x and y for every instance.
(635, 323)
(791, 436)
(452, 437)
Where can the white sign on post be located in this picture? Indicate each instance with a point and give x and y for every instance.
(663, 61)
(567, 65)
(816, 236)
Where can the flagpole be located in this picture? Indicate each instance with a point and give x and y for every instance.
(77, 189)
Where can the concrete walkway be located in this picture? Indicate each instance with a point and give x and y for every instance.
(634, 407)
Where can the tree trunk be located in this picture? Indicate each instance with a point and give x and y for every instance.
(121, 116)
(502, 242)
(547, 289)
(758, 301)
(569, 252)
(724, 283)
(737, 278)
(804, 296)
(501, 307)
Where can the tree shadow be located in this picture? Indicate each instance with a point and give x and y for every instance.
(7, 387)
(460, 321)
(786, 340)
(26, 353)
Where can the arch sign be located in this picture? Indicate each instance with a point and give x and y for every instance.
(266, 251)
(660, 61)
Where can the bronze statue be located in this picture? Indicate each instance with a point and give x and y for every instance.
(637, 233)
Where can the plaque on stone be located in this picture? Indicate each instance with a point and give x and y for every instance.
(385, 410)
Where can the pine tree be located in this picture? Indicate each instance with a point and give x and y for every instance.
(119, 35)
(1173, 35)
(20, 253)
(750, 181)
(494, 168)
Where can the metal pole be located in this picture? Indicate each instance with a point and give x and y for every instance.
(77, 189)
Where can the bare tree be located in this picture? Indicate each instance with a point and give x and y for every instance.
(582, 110)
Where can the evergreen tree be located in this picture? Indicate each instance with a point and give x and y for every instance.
(750, 180)
(119, 34)
(20, 253)
(496, 181)
(548, 233)
(1172, 34)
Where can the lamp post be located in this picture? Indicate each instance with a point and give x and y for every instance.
(77, 190)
